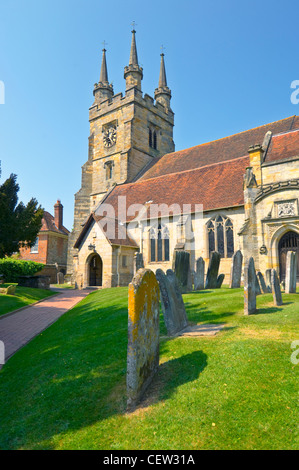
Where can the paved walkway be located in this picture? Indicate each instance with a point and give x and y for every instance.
(19, 328)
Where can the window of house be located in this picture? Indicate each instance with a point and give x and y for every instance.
(221, 236)
(159, 243)
(124, 261)
(34, 248)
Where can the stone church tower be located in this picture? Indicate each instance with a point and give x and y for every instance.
(127, 134)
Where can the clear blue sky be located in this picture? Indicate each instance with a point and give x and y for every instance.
(229, 65)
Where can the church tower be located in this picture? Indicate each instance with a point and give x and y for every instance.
(127, 133)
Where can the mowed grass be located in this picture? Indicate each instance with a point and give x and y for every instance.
(24, 296)
(236, 390)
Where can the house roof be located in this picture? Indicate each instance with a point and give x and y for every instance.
(48, 225)
(114, 231)
(221, 150)
(283, 146)
(214, 186)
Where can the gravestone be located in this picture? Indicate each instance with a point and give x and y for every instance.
(236, 270)
(174, 311)
(35, 282)
(180, 303)
(212, 274)
(138, 262)
(249, 287)
(291, 273)
(143, 334)
(277, 298)
(257, 286)
(268, 280)
(10, 290)
(199, 275)
(262, 283)
(60, 278)
(220, 280)
(182, 270)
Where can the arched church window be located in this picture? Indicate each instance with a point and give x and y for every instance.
(109, 170)
(155, 140)
(159, 243)
(221, 236)
(150, 138)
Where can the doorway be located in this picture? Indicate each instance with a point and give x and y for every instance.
(289, 242)
(95, 271)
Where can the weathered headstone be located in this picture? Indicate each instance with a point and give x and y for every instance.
(277, 298)
(180, 303)
(60, 278)
(138, 262)
(182, 270)
(174, 316)
(291, 273)
(220, 280)
(212, 274)
(236, 270)
(262, 283)
(257, 286)
(268, 279)
(143, 334)
(249, 287)
(10, 290)
(199, 275)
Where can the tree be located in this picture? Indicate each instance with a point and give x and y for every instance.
(19, 224)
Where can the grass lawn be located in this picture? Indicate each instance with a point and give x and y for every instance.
(24, 296)
(236, 390)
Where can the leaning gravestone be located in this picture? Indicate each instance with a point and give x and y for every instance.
(212, 274)
(174, 313)
(257, 286)
(60, 278)
(180, 303)
(276, 288)
(199, 275)
(262, 283)
(220, 280)
(268, 279)
(143, 334)
(138, 262)
(236, 270)
(291, 273)
(249, 287)
(182, 270)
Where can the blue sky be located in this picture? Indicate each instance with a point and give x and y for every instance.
(229, 64)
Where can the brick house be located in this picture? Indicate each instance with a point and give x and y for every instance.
(51, 244)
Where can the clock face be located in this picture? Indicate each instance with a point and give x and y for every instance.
(109, 137)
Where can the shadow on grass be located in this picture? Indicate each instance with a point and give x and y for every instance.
(171, 375)
(266, 310)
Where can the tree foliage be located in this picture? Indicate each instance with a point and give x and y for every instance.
(19, 224)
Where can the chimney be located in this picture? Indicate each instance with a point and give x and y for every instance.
(58, 214)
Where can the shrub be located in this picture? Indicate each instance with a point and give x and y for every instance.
(13, 268)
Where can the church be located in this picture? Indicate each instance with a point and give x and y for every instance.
(138, 195)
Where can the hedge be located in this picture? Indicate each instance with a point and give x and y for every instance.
(13, 268)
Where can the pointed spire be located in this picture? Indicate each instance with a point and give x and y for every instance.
(103, 90)
(133, 72)
(162, 78)
(133, 53)
(163, 93)
(104, 73)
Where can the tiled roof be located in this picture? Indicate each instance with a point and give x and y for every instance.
(215, 186)
(217, 151)
(48, 225)
(283, 146)
(115, 232)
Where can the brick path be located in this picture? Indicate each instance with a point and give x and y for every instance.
(19, 328)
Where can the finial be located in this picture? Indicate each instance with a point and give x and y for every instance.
(133, 24)
(104, 45)
(133, 53)
(162, 49)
